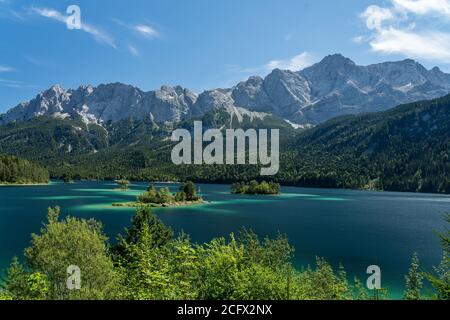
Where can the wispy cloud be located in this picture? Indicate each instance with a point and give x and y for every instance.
(134, 51)
(38, 61)
(99, 35)
(295, 63)
(9, 13)
(142, 29)
(396, 29)
(146, 31)
(6, 68)
(16, 84)
(298, 62)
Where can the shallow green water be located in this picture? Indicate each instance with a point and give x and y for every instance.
(355, 228)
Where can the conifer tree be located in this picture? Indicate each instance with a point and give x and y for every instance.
(414, 280)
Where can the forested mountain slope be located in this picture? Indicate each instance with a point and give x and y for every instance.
(405, 149)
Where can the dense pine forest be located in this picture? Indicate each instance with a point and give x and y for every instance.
(14, 170)
(403, 149)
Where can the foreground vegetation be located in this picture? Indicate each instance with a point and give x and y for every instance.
(256, 188)
(440, 278)
(148, 262)
(14, 170)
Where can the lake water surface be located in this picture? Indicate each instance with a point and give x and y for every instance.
(354, 228)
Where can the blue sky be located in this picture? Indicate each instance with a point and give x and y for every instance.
(204, 44)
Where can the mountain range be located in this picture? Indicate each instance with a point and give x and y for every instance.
(333, 87)
(406, 148)
(339, 127)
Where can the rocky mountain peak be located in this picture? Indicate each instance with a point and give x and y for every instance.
(288, 90)
(332, 87)
(436, 70)
(56, 88)
(410, 62)
(336, 59)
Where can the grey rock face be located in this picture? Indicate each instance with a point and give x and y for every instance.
(211, 100)
(288, 90)
(51, 101)
(333, 87)
(251, 94)
(171, 104)
(107, 102)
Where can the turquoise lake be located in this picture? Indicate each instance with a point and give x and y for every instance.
(355, 228)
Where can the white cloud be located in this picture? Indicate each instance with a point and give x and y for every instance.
(134, 51)
(238, 73)
(375, 16)
(360, 39)
(423, 7)
(53, 14)
(8, 13)
(146, 31)
(16, 84)
(296, 63)
(6, 68)
(431, 45)
(142, 29)
(396, 29)
(38, 61)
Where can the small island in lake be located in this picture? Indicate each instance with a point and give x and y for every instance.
(123, 184)
(187, 195)
(17, 171)
(265, 188)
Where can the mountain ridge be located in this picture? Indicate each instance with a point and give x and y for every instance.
(332, 87)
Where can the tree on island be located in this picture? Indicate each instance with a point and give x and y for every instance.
(67, 178)
(123, 184)
(256, 188)
(188, 192)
